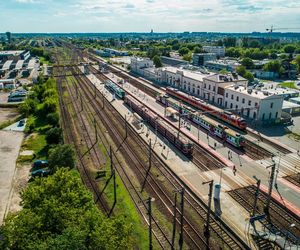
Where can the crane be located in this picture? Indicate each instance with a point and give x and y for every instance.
(270, 30)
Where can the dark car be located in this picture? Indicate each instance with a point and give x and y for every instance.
(39, 164)
(21, 123)
(41, 173)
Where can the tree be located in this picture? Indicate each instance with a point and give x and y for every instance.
(62, 156)
(28, 107)
(53, 119)
(59, 213)
(241, 70)
(247, 62)
(157, 61)
(289, 49)
(273, 66)
(297, 61)
(183, 51)
(249, 76)
(187, 57)
(197, 49)
(53, 135)
(49, 106)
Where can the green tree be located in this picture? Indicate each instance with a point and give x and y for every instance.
(187, 57)
(197, 49)
(183, 51)
(241, 70)
(157, 61)
(28, 107)
(247, 62)
(297, 61)
(289, 48)
(273, 66)
(54, 135)
(62, 156)
(50, 105)
(53, 119)
(249, 76)
(59, 213)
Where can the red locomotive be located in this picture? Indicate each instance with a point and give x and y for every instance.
(225, 116)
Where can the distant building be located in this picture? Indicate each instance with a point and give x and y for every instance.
(200, 59)
(114, 52)
(101, 53)
(267, 75)
(218, 50)
(14, 55)
(8, 36)
(175, 62)
(138, 64)
(222, 64)
(7, 83)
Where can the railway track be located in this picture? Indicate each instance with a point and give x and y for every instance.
(191, 231)
(280, 217)
(256, 152)
(295, 179)
(70, 136)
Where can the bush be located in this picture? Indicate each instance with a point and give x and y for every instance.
(54, 136)
(28, 107)
(53, 119)
(49, 106)
(62, 156)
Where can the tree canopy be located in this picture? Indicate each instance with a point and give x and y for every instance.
(59, 213)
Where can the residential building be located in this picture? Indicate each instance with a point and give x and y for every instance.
(139, 64)
(218, 50)
(200, 59)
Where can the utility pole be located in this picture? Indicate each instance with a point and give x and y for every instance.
(126, 127)
(96, 132)
(149, 166)
(113, 174)
(149, 200)
(256, 195)
(206, 229)
(181, 219)
(174, 221)
(266, 209)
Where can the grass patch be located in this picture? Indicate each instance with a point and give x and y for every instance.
(290, 85)
(9, 122)
(44, 61)
(37, 143)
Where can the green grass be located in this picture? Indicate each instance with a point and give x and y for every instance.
(44, 61)
(290, 85)
(37, 143)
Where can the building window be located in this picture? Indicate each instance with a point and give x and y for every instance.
(270, 115)
(226, 94)
(226, 104)
(249, 102)
(263, 116)
(193, 90)
(254, 115)
(256, 104)
(198, 92)
(243, 100)
(208, 87)
(231, 105)
(237, 98)
(231, 97)
(236, 107)
(276, 115)
(214, 88)
(271, 105)
(205, 85)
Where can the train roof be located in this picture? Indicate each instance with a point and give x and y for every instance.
(232, 132)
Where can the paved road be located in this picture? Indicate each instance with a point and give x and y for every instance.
(10, 143)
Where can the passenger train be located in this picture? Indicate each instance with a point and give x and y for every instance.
(204, 121)
(225, 116)
(115, 89)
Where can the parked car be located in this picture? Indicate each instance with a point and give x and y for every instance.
(39, 164)
(21, 123)
(40, 173)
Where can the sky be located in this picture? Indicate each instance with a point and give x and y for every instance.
(144, 15)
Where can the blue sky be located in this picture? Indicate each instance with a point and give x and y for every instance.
(144, 15)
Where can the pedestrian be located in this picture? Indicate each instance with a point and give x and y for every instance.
(215, 145)
(228, 154)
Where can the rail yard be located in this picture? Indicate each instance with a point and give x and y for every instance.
(162, 144)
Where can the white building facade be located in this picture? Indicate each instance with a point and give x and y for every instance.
(218, 50)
